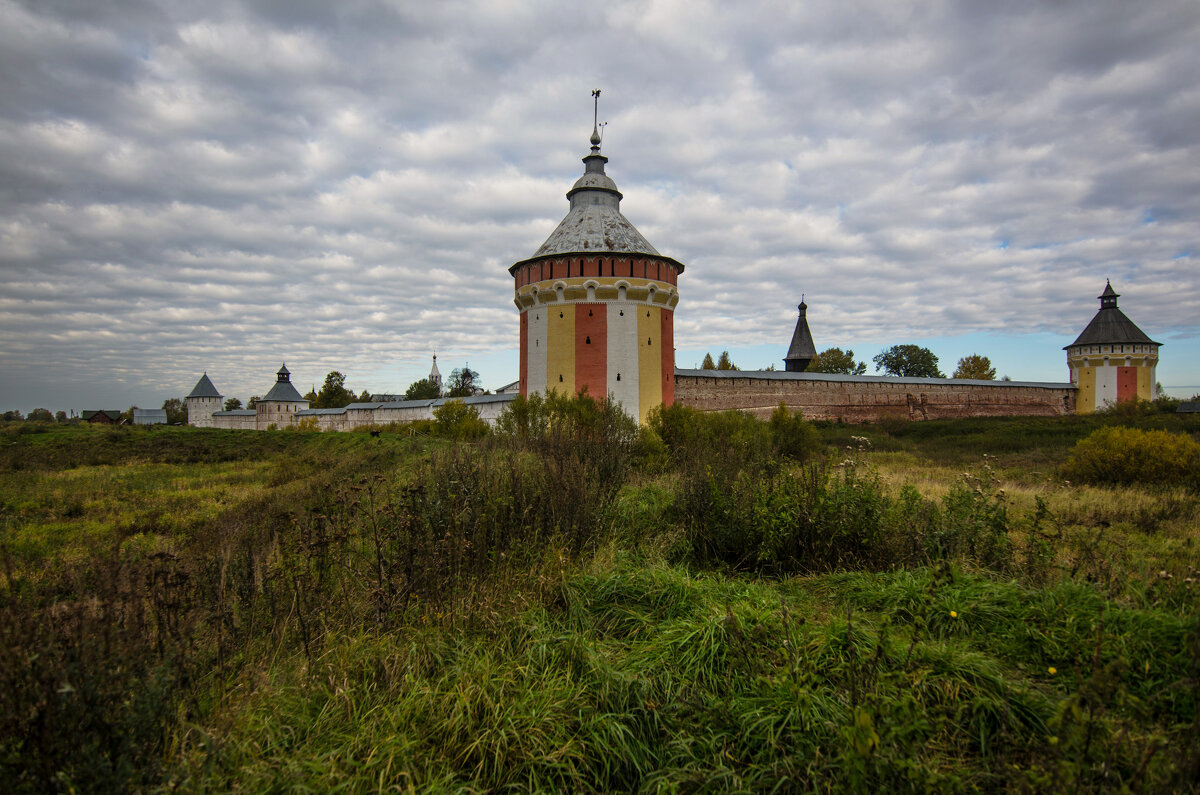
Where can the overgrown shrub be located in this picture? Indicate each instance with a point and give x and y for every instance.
(1118, 456)
(810, 521)
(454, 419)
(732, 441)
(974, 525)
(792, 437)
(582, 452)
(90, 684)
(729, 443)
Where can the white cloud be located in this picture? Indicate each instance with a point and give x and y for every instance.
(221, 186)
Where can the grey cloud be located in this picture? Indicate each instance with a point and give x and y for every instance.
(187, 187)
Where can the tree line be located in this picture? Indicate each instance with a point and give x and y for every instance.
(909, 361)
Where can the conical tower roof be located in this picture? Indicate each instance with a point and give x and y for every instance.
(204, 388)
(1110, 326)
(802, 351)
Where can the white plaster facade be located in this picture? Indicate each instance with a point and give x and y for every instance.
(200, 410)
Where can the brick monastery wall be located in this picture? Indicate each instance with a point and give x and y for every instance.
(817, 396)
(869, 398)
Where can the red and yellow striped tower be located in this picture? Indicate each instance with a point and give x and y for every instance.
(597, 303)
(1112, 360)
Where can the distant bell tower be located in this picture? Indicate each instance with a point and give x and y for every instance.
(1112, 360)
(435, 375)
(597, 302)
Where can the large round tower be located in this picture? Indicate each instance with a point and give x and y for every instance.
(1112, 360)
(597, 303)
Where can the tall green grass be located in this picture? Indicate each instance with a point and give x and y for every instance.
(569, 602)
(649, 677)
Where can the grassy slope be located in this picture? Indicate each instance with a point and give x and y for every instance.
(620, 670)
(648, 676)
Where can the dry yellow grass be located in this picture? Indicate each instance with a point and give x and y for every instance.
(1124, 530)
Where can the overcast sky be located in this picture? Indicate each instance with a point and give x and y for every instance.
(222, 186)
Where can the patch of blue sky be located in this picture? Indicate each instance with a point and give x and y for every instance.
(1022, 357)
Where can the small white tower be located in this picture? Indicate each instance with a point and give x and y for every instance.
(201, 402)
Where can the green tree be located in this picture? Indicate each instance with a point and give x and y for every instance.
(425, 389)
(725, 363)
(708, 363)
(176, 411)
(333, 394)
(60, 416)
(13, 415)
(40, 415)
(463, 382)
(310, 396)
(836, 360)
(975, 366)
(910, 361)
(232, 404)
(253, 401)
(364, 396)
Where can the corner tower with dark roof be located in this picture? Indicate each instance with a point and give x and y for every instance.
(201, 402)
(597, 303)
(1112, 360)
(279, 406)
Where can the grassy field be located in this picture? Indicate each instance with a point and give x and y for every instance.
(571, 604)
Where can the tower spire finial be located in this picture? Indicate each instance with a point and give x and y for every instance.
(596, 120)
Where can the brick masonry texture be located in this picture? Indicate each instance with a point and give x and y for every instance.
(873, 400)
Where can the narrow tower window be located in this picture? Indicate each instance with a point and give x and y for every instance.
(560, 378)
(618, 376)
(648, 341)
(588, 341)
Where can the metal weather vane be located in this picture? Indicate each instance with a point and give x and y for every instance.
(597, 127)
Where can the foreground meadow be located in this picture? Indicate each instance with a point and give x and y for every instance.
(570, 603)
